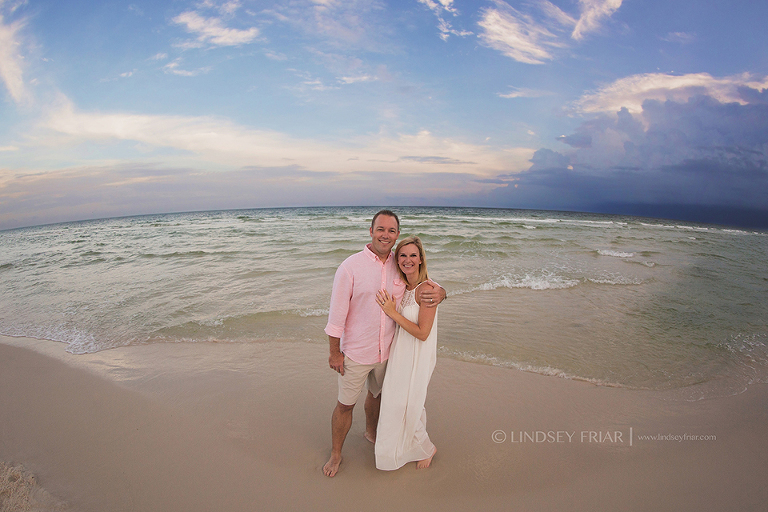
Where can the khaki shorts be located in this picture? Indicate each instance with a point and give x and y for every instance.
(356, 375)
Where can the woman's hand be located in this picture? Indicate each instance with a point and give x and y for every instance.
(386, 302)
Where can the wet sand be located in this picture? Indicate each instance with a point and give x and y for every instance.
(223, 426)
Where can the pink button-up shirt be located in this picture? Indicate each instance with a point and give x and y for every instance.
(365, 331)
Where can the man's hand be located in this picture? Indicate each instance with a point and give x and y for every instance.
(432, 294)
(336, 359)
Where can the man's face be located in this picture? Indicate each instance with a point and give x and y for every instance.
(384, 234)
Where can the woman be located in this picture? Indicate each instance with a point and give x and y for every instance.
(401, 436)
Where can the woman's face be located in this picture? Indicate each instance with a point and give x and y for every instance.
(408, 259)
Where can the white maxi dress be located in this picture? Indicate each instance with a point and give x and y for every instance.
(401, 436)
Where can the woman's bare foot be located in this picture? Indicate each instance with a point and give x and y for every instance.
(370, 437)
(421, 464)
(332, 466)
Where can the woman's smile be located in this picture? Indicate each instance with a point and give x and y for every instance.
(408, 259)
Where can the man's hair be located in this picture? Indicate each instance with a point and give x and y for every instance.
(388, 213)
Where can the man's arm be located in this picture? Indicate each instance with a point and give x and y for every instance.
(432, 294)
(336, 359)
(337, 317)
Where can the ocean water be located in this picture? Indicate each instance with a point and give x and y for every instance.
(613, 300)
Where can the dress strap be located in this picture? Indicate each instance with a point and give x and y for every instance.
(416, 288)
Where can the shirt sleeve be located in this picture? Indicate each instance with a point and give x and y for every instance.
(340, 297)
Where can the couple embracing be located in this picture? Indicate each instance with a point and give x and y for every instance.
(382, 328)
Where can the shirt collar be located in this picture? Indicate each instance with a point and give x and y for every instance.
(372, 255)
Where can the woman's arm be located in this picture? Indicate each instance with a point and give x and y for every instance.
(426, 316)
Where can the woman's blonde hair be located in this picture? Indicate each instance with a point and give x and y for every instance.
(422, 268)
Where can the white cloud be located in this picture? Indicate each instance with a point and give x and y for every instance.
(440, 8)
(185, 163)
(213, 31)
(349, 25)
(13, 5)
(347, 69)
(229, 8)
(11, 62)
(355, 79)
(516, 92)
(220, 142)
(440, 5)
(531, 37)
(173, 68)
(127, 74)
(325, 3)
(309, 81)
(679, 37)
(446, 30)
(593, 13)
(272, 55)
(516, 35)
(136, 9)
(317, 85)
(553, 12)
(340, 63)
(631, 91)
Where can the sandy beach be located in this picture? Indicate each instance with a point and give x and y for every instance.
(228, 426)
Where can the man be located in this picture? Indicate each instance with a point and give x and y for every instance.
(360, 333)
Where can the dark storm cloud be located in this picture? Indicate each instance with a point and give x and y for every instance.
(698, 160)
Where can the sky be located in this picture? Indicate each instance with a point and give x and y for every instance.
(646, 107)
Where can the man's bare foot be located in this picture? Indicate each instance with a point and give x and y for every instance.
(421, 464)
(370, 437)
(332, 466)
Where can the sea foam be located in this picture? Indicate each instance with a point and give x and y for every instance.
(533, 282)
(615, 254)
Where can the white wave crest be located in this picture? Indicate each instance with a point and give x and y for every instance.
(475, 357)
(547, 282)
(210, 322)
(534, 282)
(304, 313)
(615, 254)
(615, 280)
